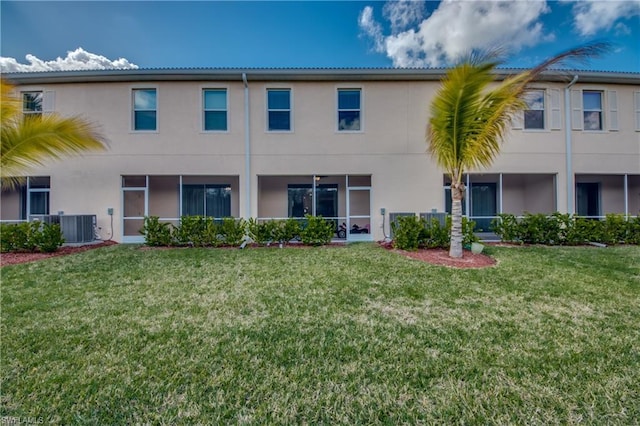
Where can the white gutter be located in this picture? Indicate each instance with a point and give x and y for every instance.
(569, 151)
(247, 149)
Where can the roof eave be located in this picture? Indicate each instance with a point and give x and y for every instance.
(293, 74)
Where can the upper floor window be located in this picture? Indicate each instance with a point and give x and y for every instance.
(534, 114)
(215, 109)
(32, 104)
(144, 109)
(349, 110)
(592, 110)
(278, 109)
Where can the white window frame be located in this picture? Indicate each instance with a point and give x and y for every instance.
(30, 190)
(267, 109)
(48, 100)
(133, 108)
(636, 103)
(28, 112)
(600, 111)
(203, 89)
(360, 110)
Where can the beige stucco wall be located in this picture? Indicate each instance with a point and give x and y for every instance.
(390, 148)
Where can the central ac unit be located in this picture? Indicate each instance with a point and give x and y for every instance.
(78, 228)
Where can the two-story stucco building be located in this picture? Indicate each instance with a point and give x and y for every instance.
(347, 144)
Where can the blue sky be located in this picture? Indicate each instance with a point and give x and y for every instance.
(39, 35)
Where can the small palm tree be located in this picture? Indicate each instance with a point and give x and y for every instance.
(470, 117)
(26, 142)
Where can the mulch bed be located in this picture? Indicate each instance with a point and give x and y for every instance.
(15, 258)
(441, 257)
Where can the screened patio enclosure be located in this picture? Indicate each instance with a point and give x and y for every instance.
(171, 197)
(343, 199)
(489, 195)
(599, 195)
(27, 200)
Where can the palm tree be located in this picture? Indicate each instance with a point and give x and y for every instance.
(470, 117)
(27, 142)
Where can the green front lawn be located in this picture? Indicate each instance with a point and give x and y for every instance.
(355, 335)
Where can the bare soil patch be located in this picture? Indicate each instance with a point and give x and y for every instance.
(15, 258)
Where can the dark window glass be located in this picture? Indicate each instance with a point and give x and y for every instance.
(279, 109)
(349, 99)
(279, 99)
(145, 120)
(144, 109)
(592, 110)
(349, 120)
(279, 120)
(206, 200)
(534, 119)
(215, 109)
(215, 120)
(349, 110)
(534, 114)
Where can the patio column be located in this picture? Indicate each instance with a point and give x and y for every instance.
(467, 197)
(500, 193)
(626, 196)
(247, 149)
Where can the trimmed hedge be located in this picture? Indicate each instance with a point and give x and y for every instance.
(564, 229)
(30, 237)
(199, 231)
(412, 233)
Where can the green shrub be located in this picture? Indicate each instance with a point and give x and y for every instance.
(50, 238)
(506, 226)
(233, 231)
(407, 232)
(262, 232)
(540, 229)
(412, 233)
(286, 230)
(12, 237)
(614, 229)
(468, 226)
(30, 237)
(434, 234)
(563, 229)
(633, 231)
(317, 231)
(212, 230)
(190, 231)
(156, 233)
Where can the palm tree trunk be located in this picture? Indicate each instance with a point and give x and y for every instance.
(457, 192)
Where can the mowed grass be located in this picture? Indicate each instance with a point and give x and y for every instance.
(354, 335)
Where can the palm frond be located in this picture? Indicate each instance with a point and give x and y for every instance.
(469, 119)
(26, 143)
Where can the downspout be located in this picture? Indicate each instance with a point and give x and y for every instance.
(569, 151)
(247, 149)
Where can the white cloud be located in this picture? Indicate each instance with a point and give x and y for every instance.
(592, 16)
(78, 59)
(454, 29)
(403, 13)
(622, 29)
(371, 28)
